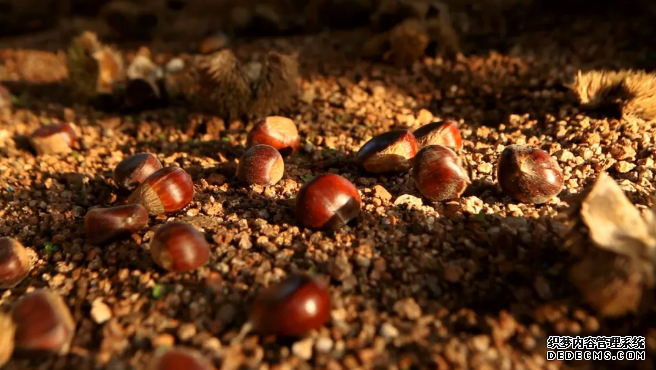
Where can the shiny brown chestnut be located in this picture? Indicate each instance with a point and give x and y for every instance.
(261, 165)
(167, 190)
(178, 359)
(391, 151)
(440, 173)
(439, 133)
(178, 246)
(327, 202)
(106, 224)
(15, 264)
(43, 322)
(279, 132)
(53, 139)
(297, 305)
(133, 170)
(529, 175)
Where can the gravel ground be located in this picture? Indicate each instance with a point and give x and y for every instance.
(478, 282)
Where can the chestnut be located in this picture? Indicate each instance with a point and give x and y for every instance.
(293, 307)
(105, 224)
(327, 202)
(529, 175)
(53, 139)
(167, 190)
(391, 151)
(261, 164)
(143, 81)
(133, 170)
(178, 246)
(439, 133)
(177, 359)
(440, 173)
(43, 322)
(7, 332)
(279, 132)
(15, 264)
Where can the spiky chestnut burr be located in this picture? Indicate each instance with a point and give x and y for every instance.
(93, 68)
(274, 84)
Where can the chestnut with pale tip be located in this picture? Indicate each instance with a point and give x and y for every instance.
(7, 332)
(276, 131)
(439, 133)
(529, 175)
(167, 190)
(294, 307)
(106, 224)
(43, 322)
(327, 202)
(178, 246)
(440, 173)
(391, 151)
(53, 139)
(134, 170)
(15, 264)
(178, 358)
(261, 165)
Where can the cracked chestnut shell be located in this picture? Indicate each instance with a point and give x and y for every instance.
(440, 173)
(53, 139)
(133, 170)
(15, 263)
(444, 133)
(391, 151)
(529, 175)
(276, 131)
(179, 359)
(178, 246)
(167, 190)
(261, 165)
(297, 305)
(327, 202)
(43, 322)
(105, 224)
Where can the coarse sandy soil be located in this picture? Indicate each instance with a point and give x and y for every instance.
(478, 282)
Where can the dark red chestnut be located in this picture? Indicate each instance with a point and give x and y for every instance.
(53, 139)
(15, 264)
(178, 246)
(294, 307)
(327, 202)
(279, 132)
(529, 175)
(439, 133)
(133, 170)
(179, 359)
(167, 190)
(439, 173)
(105, 224)
(43, 322)
(262, 165)
(388, 152)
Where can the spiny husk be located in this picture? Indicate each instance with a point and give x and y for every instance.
(93, 68)
(631, 92)
(276, 86)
